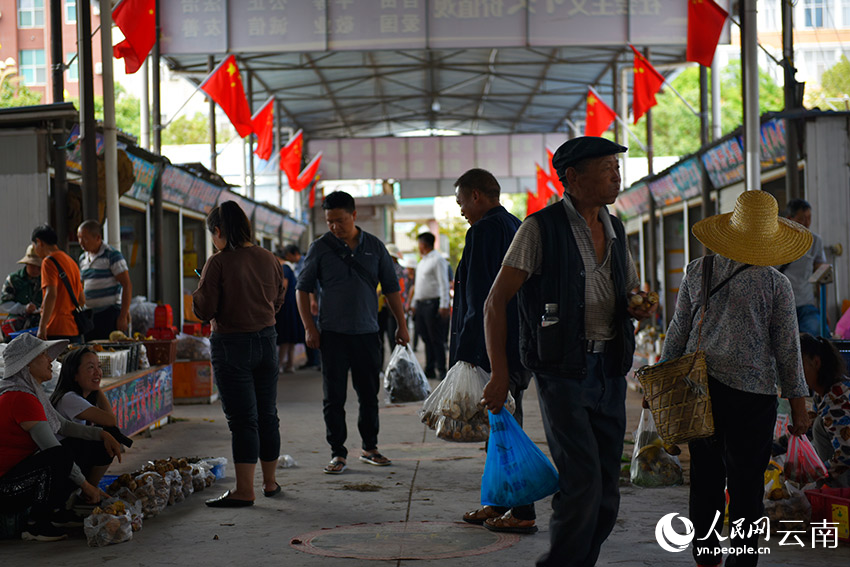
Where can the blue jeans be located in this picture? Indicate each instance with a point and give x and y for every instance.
(245, 370)
(808, 319)
(585, 421)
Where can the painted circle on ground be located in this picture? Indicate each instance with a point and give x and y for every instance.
(403, 540)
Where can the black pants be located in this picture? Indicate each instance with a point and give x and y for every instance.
(245, 370)
(433, 331)
(87, 454)
(105, 321)
(387, 327)
(40, 481)
(585, 421)
(735, 457)
(361, 355)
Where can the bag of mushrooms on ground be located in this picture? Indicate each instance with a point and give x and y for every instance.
(454, 408)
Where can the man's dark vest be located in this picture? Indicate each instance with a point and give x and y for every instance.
(560, 349)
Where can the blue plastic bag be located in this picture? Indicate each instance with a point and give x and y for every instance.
(516, 472)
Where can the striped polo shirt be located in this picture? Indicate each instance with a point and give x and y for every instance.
(98, 273)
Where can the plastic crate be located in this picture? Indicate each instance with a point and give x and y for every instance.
(832, 505)
(31, 331)
(113, 363)
(161, 352)
(132, 347)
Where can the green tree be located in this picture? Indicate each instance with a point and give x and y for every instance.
(13, 94)
(834, 86)
(186, 130)
(676, 128)
(127, 110)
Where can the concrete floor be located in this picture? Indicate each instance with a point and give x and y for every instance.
(430, 481)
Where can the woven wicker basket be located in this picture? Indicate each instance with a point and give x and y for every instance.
(677, 393)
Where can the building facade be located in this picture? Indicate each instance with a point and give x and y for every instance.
(25, 46)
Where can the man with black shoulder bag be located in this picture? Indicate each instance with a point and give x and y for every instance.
(62, 313)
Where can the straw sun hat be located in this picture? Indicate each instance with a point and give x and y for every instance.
(754, 233)
(24, 348)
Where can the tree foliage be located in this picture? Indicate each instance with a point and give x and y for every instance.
(834, 86)
(187, 130)
(127, 110)
(13, 94)
(676, 129)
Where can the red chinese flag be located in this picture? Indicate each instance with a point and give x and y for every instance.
(534, 203)
(309, 174)
(224, 86)
(290, 157)
(137, 21)
(552, 174)
(312, 202)
(599, 115)
(647, 82)
(705, 24)
(543, 181)
(263, 124)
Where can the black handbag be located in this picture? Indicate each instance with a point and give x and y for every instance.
(84, 318)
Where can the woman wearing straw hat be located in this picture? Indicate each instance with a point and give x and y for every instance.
(751, 344)
(35, 468)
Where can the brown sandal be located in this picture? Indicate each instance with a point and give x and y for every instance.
(478, 516)
(507, 523)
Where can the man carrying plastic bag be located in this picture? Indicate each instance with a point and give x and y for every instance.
(488, 238)
(570, 267)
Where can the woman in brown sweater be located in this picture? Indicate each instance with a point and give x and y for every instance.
(240, 291)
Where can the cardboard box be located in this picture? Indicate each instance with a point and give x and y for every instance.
(193, 382)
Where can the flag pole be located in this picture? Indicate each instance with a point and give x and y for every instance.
(629, 130)
(177, 113)
(691, 108)
(620, 120)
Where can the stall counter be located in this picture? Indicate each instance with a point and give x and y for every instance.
(141, 399)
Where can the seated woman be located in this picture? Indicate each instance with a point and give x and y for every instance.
(78, 398)
(826, 375)
(35, 468)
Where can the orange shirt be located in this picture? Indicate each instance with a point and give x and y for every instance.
(61, 322)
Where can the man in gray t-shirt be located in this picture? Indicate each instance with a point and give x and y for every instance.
(799, 271)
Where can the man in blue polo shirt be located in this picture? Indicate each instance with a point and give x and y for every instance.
(106, 280)
(348, 263)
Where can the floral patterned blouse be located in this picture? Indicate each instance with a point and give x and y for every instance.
(750, 335)
(834, 408)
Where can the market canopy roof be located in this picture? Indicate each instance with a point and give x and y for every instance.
(366, 68)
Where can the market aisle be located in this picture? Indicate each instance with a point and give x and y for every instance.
(431, 482)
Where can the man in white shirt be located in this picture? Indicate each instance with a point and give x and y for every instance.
(106, 279)
(431, 305)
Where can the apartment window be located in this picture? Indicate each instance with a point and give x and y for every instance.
(771, 15)
(845, 13)
(73, 69)
(30, 13)
(33, 67)
(70, 11)
(815, 13)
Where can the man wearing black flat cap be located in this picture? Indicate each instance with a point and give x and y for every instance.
(570, 263)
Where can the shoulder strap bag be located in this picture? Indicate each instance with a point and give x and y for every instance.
(84, 318)
(346, 255)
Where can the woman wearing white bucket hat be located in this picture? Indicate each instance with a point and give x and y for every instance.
(751, 344)
(35, 469)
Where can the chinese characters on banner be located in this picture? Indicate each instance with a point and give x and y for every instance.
(235, 26)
